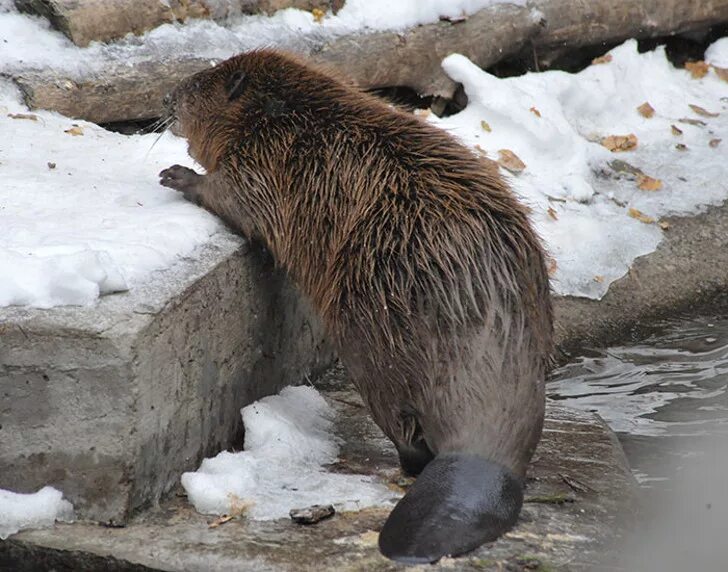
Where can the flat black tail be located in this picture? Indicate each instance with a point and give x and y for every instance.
(458, 502)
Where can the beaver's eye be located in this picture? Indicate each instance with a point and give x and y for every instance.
(235, 85)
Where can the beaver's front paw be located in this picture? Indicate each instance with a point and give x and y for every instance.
(184, 180)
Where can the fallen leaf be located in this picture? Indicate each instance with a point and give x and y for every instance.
(697, 69)
(51, 165)
(599, 278)
(368, 538)
(691, 121)
(640, 216)
(722, 73)
(552, 213)
(535, 111)
(30, 116)
(647, 183)
(318, 15)
(701, 111)
(676, 131)
(664, 225)
(509, 160)
(681, 147)
(646, 110)
(75, 130)
(714, 143)
(552, 266)
(481, 150)
(219, 521)
(485, 125)
(616, 143)
(605, 59)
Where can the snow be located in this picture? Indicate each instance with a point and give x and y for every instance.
(41, 509)
(96, 223)
(288, 440)
(589, 233)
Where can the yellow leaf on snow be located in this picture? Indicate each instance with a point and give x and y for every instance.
(318, 15)
(509, 160)
(676, 131)
(605, 59)
(702, 111)
(646, 110)
(664, 225)
(535, 111)
(75, 131)
(647, 183)
(485, 125)
(640, 216)
(722, 73)
(697, 69)
(617, 143)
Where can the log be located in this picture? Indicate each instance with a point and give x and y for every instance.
(130, 90)
(133, 90)
(85, 21)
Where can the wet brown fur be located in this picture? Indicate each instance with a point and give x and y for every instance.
(422, 264)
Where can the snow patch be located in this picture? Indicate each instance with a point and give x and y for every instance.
(84, 215)
(288, 440)
(553, 121)
(37, 510)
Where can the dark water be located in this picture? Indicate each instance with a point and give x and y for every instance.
(665, 397)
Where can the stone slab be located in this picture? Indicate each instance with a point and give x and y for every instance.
(579, 493)
(111, 403)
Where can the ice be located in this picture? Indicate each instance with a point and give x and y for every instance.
(288, 440)
(37, 510)
(553, 121)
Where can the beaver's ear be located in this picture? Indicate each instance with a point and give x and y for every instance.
(236, 85)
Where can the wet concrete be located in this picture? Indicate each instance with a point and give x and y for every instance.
(579, 494)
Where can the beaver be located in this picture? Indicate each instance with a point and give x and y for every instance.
(422, 264)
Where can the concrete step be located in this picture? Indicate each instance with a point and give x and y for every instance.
(579, 492)
(111, 403)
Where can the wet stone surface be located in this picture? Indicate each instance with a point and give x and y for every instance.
(579, 495)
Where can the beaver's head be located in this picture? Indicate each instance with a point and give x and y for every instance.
(264, 89)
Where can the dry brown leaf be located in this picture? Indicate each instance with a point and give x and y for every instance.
(599, 278)
(509, 160)
(552, 266)
(318, 15)
(646, 110)
(722, 73)
(702, 111)
(640, 216)
(676, 131)
(647, 183)
(664, 225)
(221, 520)
(605, 59)
(485, 125)
(691, 121)
(535, 111)
(30, 116)
(681, 147)
(714, 143)
(75, 131)
(697, 69)
(481, 150)
(552, 213)
(617, 143)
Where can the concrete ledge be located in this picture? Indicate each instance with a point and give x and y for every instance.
(687, 274)
(111, 403)
(579, 489)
